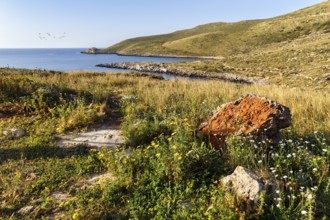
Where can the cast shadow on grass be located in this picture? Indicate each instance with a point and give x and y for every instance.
(41, 152)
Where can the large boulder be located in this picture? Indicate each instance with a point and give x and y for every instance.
(244, 183)
(250, 114)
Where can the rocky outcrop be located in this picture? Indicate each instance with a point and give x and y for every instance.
(16, 133)
(92, 50)
(244, 183)
(163, 68)
(251, 114)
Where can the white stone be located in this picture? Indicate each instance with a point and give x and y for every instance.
(245, 183)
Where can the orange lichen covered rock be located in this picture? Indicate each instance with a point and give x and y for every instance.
(249, 114)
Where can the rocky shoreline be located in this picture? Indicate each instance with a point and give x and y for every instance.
(163, 68)
(95, 50)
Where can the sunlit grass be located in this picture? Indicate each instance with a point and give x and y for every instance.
(168, 171)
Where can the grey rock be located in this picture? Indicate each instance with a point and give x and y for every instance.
(26, 210)
(14, 132)
(245, 183)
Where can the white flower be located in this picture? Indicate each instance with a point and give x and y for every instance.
(303, 212)
(290, 141)
(284, 177)
(279, 199)
(314, 169)
(277, 191)
(289, 156)
(324, 150)
(310, 196)
(259, 161)
(291, 171)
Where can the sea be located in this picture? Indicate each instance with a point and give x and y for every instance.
(70, 59)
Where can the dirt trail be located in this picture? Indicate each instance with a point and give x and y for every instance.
(108, 136)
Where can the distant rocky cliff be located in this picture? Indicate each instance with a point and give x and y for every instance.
(92, 50)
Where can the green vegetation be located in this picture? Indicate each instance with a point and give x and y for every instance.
(170, 172)
(292, 49)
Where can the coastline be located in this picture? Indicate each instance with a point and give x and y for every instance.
(101, 51)
(162, 68)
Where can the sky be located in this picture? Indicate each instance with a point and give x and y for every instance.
(101, 23)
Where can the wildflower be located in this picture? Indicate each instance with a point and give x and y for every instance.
(259, 161)
(158, 155)
(278, 205)
(157, 145)
(169, 139)
(174, 147)
(251, 141)
(18, 174)
(271, 168)
(310, 196)
(279, 199)
(314, 169)
(290, 141)
(291, 171)
(277, 191)
(285, 177)
(303, 212)
(47, 190)
(153, 143)
(324, 150)
(174, 133)
(289, 156)
(273, 171)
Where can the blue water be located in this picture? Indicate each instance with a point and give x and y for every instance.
(68, 59)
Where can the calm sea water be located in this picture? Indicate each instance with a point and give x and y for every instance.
(68, 59)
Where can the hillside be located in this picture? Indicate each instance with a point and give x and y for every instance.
(291, 49)
(223, 39)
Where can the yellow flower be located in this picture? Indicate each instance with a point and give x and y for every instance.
(169, 139)
(174, 133)
(178, 156)
(153, 143)
(75, 215)
(18, 174)
(47, 190)
(158, 155)
(157, 145)
(174, 147)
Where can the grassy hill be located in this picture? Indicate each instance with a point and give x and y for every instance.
(291, 49)
(224, 39)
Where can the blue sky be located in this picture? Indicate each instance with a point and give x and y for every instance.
(101, 23)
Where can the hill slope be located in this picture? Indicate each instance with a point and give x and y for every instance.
(225, 39)
(292, 49)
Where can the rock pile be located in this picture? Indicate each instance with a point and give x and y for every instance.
(250, 114)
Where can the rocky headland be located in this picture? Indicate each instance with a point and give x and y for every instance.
(171, 70)
(92, 50)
